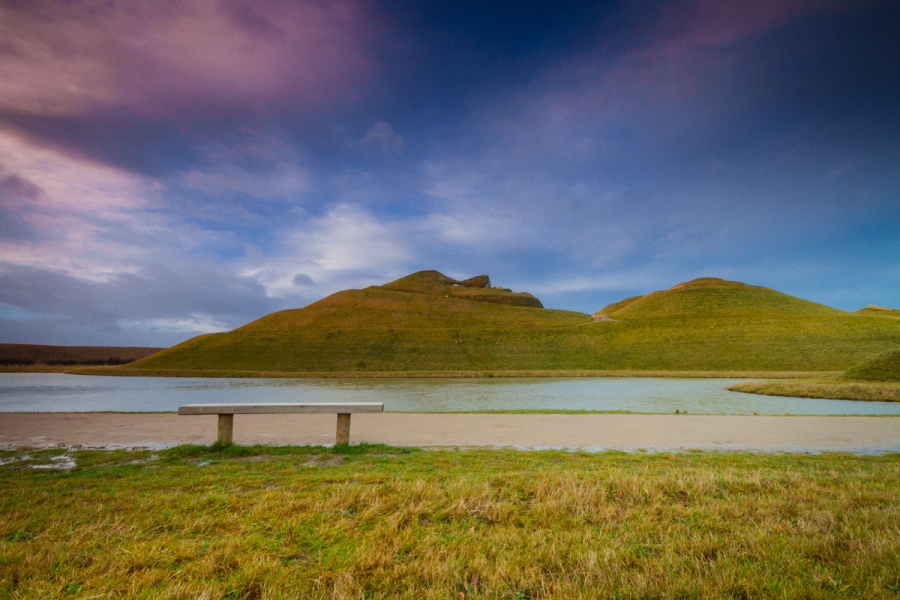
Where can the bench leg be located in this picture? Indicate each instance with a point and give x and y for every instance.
(343, 429)
(226, 428)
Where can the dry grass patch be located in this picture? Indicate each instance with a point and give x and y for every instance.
(377, 522)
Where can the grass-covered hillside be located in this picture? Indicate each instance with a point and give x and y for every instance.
(429, 323)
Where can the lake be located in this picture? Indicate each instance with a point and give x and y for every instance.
(57, 392)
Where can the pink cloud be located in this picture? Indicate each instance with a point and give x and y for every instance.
(154, 56)
(78, 217)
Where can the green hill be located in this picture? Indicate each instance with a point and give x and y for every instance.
(884, 367)
(429, 322)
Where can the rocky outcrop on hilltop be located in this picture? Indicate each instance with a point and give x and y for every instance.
(477, 289)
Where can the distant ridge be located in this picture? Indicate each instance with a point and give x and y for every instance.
(428, 322)
(39, 354)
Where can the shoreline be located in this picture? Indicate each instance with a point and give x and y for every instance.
(591, 432)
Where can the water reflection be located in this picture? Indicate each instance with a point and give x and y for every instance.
(53, 392)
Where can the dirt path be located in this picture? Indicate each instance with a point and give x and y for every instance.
(592, 432)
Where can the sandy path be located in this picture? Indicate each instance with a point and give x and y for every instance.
(594, 432)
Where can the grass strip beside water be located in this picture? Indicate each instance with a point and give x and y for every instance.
(382, 522)
(827, 389)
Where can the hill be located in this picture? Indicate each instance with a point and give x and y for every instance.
(407, 325)
(884, 367)
(427, 322)
(710, 297)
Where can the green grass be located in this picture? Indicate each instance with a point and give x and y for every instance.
(707, 325)
(382, 522)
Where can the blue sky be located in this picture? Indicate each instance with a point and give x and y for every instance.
(175, 168)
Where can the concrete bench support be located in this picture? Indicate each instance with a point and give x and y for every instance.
(343, 429)
(226, 414)
(226, 429)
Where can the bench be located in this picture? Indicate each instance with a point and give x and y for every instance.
(226, 414)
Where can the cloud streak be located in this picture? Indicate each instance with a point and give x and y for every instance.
(162, 57)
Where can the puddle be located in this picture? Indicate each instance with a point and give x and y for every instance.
(63, 462)
(13, 459)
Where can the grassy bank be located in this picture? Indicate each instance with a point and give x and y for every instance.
(831, 389)
(389, 523)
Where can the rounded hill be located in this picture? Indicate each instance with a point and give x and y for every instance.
(713, 297)
(423, 322)
(428, 322)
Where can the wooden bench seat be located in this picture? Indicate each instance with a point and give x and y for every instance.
(226, 414)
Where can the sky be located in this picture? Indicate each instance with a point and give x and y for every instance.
(172, 168)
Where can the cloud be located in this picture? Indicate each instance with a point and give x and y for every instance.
(348, 246)
(243, 179)
(383, 139)
(82, 244)
(302, 280)
(193, 324)
(157, 57)
(72, 214)
(155, 299)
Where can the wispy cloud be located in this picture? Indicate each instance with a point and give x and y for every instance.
(81, 217)
(348, 246)
(157, 57)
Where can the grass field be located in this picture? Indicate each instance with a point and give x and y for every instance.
(706, 325)
(380, 522)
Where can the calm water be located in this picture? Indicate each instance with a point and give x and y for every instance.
(53, 392)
